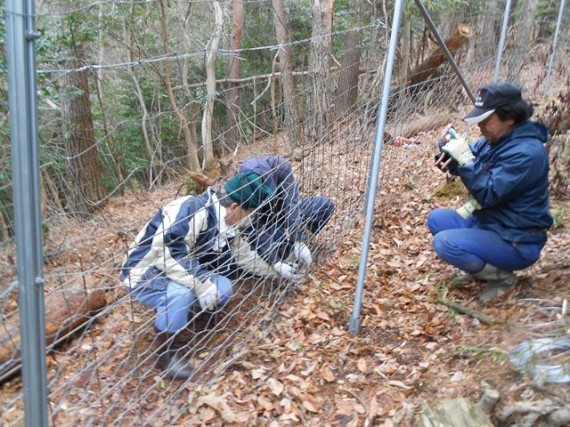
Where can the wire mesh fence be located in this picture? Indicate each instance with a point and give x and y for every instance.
(144, 76)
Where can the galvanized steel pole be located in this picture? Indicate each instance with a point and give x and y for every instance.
(354, 325)
(502, 40)
(551, 60)
(21, 60)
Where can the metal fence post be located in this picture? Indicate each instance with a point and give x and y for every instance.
(551, 60)
(20, 44)
(502, 40)
(354, 325)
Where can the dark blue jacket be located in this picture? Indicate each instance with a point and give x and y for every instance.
(509, 179)
(278, 222)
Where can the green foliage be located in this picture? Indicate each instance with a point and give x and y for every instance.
(190, 186)
(435, 7)
(450, 189)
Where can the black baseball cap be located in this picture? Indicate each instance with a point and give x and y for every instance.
(489, 98)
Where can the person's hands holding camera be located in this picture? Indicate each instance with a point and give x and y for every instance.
(443, 161)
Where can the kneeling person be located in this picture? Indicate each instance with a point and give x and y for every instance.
(163, 268)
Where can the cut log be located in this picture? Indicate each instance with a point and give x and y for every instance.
(428, 68)
(66, 312)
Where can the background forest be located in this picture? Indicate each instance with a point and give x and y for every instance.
(135, 95)
(132, 93)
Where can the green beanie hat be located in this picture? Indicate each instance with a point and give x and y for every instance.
(248, 190)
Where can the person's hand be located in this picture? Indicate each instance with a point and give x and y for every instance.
(207, 294)
(288, 271)
(302, 254)
(468, 208)
(459, 150)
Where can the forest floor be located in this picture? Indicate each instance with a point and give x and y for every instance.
(411, 350)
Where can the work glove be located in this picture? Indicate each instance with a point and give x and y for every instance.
(288, 271)
(207, 294)
(468, 208)
(459, 150)
(302, 254)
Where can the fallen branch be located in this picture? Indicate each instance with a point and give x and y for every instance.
(488, 320)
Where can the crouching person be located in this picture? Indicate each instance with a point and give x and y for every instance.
(503, 226)
(164, 267)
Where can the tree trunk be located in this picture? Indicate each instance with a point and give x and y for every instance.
(491, 28)
(233, 133)
(406, 50)
(347, 87)
(87, 193)
(208, 114)
(282, 32)
(319, 59)
(191, 143)
(523, 37)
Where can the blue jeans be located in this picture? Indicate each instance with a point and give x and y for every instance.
(462, 244)
(173, 301)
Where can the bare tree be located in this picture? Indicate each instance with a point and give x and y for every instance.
(319, 59)
(212, 53)
(294, 128)
(189, 137)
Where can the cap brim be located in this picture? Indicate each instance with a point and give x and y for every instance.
(477, 115)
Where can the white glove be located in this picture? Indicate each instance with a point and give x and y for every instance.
(468, 208)
(302, 254)
(459, 150)
(207, 294)
(288, 271)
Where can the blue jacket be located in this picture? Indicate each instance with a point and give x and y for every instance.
(175, 243)
(509, 179)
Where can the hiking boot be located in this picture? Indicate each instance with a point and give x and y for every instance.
(168, 359)
(497, 282)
